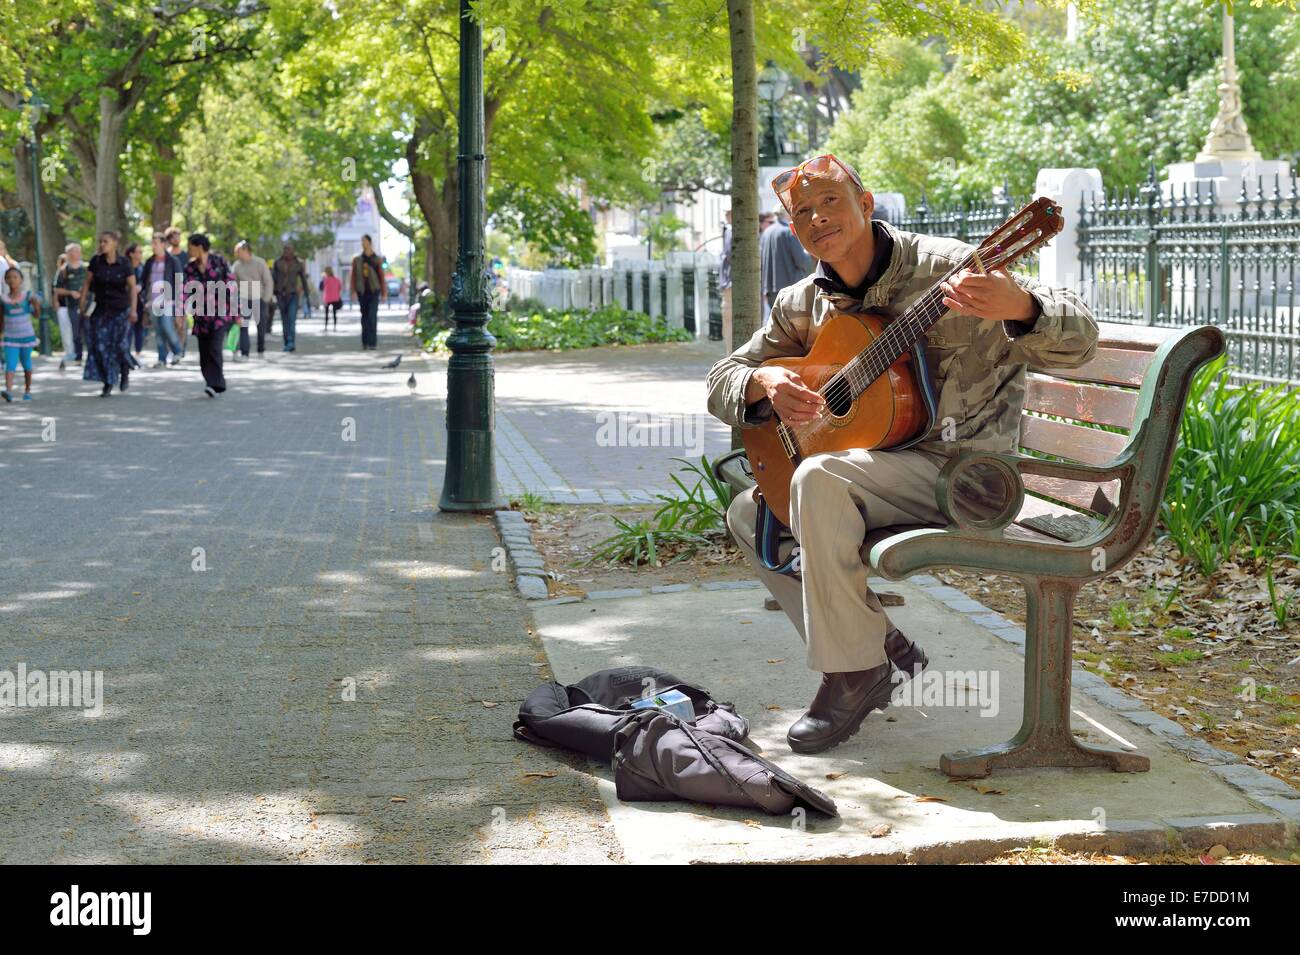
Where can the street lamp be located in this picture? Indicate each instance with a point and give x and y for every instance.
(36, 105)
(772, 86)
(470, 481)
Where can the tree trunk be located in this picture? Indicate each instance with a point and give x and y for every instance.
(53, 237)
(441, 256)
(164, 196)
(110, 208)
(746, 304)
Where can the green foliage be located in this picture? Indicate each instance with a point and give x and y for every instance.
(1281, 606)
(551, 221)
(688, 523)
(1120, 617)
(662, 232)
(639, 543)
(556, 330)
(1235, 478)
(1141, 85)
(431, 319)
(702, 508)
(247, 175)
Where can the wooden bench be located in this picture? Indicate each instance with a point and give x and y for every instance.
(1055, 522)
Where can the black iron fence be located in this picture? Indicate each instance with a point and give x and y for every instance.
(970, 222)
(1187, 258)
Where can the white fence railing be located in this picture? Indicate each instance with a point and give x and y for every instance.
(683, 290)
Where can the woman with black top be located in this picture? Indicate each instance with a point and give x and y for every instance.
(110, 277)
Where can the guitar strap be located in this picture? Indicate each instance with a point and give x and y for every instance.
(767, 529)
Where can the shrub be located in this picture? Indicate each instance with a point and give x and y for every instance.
(556, 330)
(1235, 478)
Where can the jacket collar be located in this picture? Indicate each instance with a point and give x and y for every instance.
(880, 291)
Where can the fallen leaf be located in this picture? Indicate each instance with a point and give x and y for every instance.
(397, 799)
(835, 775)
(777, 660)
(928, 798)
(878, 830)
(488, 704)
(753, 823)
(547, 775)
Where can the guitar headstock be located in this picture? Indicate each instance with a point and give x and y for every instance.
(1023, 232)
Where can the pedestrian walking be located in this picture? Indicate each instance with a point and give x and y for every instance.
(67, 294)
(724, 281)
(290, 278)
(331, 290)
(17, 332)
(178, 252)
(160, 285)
(367, 281)
(211, 298)
(256, 294)
(110, 278)
(61, 313)
(135, 333)
(7, 261)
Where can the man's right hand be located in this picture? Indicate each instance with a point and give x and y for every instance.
(792, 400)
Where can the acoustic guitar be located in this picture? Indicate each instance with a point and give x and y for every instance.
(870, 370)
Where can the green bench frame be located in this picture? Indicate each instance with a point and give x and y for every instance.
(1064, 522)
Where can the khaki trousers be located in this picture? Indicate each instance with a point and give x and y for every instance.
(835, 500)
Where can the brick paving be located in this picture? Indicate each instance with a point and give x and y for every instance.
(602, 425)
(226, 734)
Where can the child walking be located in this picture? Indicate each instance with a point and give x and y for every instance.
(19, 336)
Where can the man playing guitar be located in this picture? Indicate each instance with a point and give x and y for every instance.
(976, 355)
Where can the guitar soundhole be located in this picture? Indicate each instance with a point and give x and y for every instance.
(839, 401)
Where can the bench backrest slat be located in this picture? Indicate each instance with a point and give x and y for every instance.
(1082, 402)
(1070, 441)
(1111, 366)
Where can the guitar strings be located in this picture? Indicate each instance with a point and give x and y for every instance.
(866, 367)
(926, 309)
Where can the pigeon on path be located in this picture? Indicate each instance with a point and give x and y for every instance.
(410, 382)
(395, 362)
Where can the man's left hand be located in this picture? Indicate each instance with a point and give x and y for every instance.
(993, 297)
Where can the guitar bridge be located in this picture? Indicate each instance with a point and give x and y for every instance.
(788, 443)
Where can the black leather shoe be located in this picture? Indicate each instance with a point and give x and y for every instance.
(905, 654)
(841, 704)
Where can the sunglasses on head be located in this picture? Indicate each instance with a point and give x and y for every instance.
(818, 167)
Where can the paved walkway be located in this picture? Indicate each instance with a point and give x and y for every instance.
(226, 732)
(602, 425)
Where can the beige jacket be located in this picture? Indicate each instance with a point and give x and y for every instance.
(977, 366)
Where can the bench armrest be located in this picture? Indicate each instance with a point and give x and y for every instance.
(978, 542)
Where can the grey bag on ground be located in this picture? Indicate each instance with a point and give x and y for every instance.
(655, 755)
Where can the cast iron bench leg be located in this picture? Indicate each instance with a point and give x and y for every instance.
(1044, 739)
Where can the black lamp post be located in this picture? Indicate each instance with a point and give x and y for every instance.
(36, 105)
(470, 483)
(772, 86)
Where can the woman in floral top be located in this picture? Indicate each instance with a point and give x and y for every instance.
(211, 300)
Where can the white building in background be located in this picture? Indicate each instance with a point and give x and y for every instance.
(365, 220)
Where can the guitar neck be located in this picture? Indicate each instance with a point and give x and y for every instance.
(899, 337)
(1022, 233)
